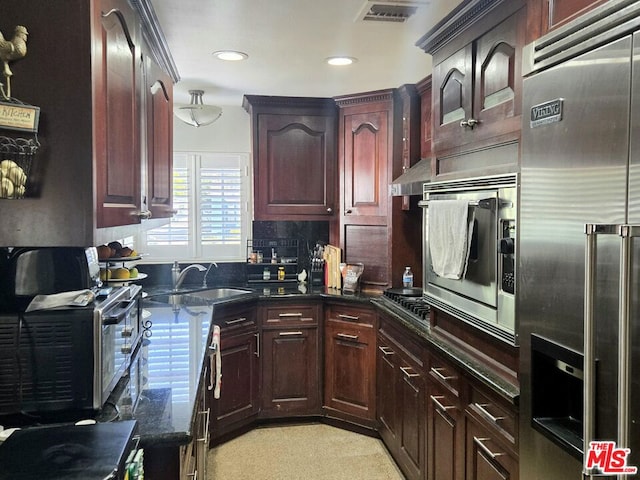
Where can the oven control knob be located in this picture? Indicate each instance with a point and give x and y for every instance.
(507, 246)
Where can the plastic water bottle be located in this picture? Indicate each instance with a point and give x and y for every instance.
(407, 278)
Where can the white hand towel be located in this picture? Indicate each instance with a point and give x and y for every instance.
(450, 230)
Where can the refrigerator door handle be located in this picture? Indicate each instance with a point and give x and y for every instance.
(627, 233)
(592, 230)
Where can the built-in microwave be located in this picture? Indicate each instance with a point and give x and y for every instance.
(485, 295)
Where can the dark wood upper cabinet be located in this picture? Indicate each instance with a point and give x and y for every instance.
(159, 103)
(424, 87)
(476, 85)
(370, 153)
(294, 152)
(87, 174)
(117, 107)
(547, 15)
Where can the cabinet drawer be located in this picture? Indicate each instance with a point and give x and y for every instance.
(351, 314)
(235, 320)
(401, 340)
(278, 315)
(445, 374)
(494, 414)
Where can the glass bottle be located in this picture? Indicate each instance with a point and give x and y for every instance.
(266, 274)
(407, 278)
(281, 273)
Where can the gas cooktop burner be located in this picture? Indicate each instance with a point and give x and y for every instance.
(409, 300)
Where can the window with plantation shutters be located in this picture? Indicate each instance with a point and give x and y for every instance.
(211, 196)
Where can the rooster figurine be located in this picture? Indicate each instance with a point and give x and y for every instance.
(13, 49)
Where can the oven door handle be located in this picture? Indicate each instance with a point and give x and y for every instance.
(115, 318)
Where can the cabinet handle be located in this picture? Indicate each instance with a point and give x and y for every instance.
(484, 448)
(485, 412)
(329, 210)
(436, 399)
(444, 378)
(205, 437)
(472, 122)
(349, 211)
(144, 214)
(174, 211)
(289, 315)
(125, 349)
(352, 318)
(346, 336)
(386, 350)
(290, 334)
(257, 352)
(237, 320)
(405, 370)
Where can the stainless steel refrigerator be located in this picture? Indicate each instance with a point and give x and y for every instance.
(578, 271)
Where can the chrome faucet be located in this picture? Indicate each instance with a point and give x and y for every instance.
(204, 279)
(177, 276)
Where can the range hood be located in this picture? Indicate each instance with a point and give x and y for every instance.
(411, 181)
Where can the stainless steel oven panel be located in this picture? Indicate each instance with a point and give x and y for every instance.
(479, 282)
(485, 298)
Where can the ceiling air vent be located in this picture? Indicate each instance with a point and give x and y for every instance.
(396, 11)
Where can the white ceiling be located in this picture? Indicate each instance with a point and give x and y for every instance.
(287, 42)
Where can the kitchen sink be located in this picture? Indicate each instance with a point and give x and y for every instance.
(222, 293)
(199, 297)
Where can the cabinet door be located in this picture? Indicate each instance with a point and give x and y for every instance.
(452, 98)
(445, 435)
(159, 98)
(294, 148)
(486, 458)
(412, 391)
(497, 90)
(238, 400)
(290, 374)
(366, 142)
(116, 118)
(387, 379)
(350, 358)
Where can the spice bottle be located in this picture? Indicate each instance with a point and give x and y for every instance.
(281, 273)
(266, 274)
(407, 278)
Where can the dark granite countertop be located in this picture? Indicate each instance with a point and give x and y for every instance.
(173, 356)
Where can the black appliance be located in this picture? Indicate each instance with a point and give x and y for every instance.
(100, 451)
(65, 358)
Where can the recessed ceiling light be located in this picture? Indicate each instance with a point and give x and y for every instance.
(339, 61)
(230, 55)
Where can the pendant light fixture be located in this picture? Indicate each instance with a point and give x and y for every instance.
(197, 114)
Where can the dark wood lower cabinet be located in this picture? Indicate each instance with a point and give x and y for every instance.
(401, 399)
(239, 400)
(290, 359)
(445, 435)
(487, 458)
(290, 372)
(349, 364)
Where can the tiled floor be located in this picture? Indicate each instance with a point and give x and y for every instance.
(309, 452)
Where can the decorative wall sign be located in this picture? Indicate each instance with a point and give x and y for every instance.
(14, 116)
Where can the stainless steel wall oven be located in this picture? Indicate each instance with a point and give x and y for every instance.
(485, 295)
